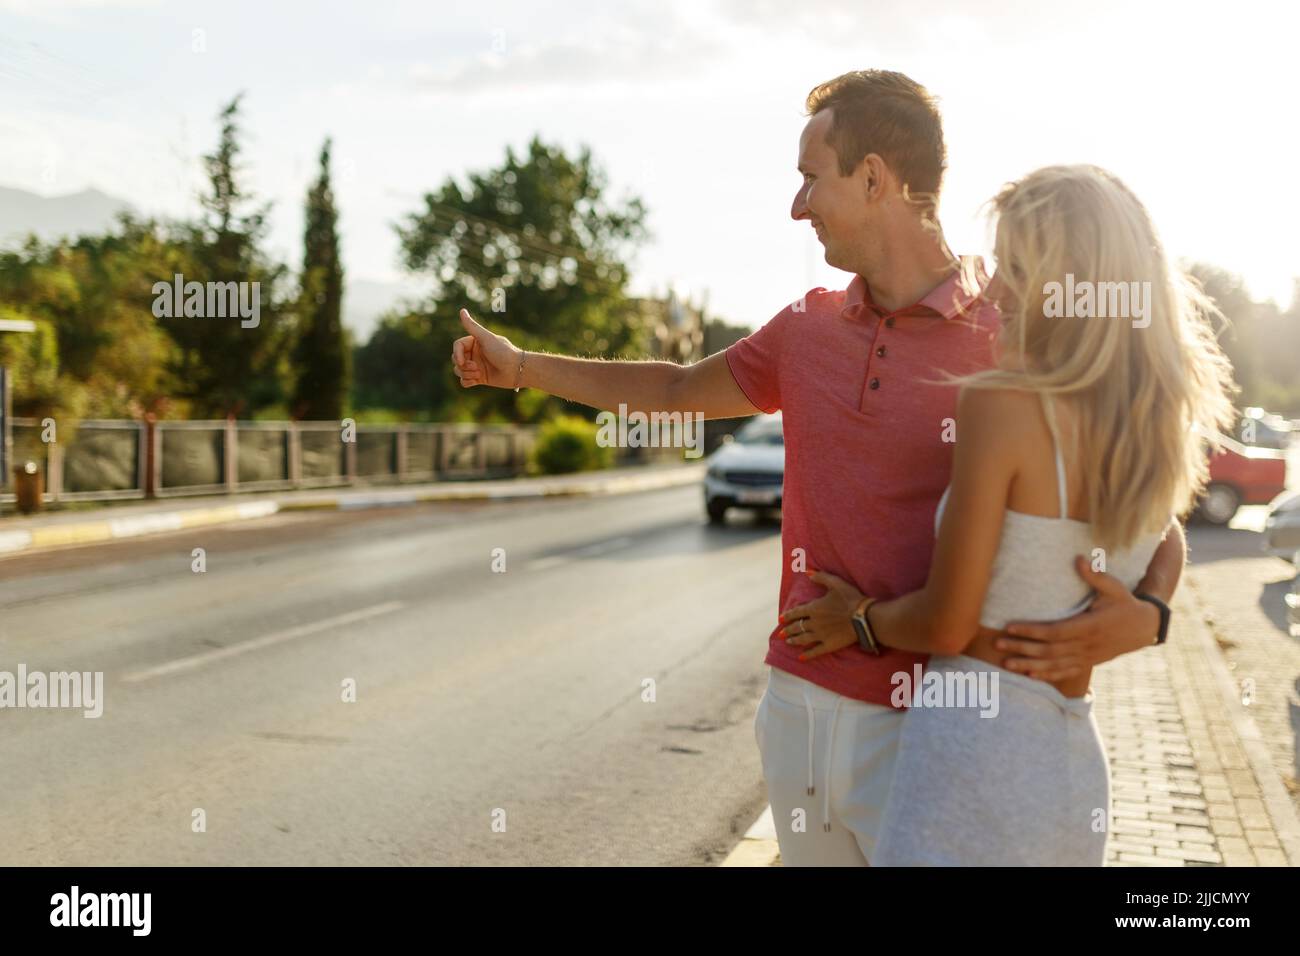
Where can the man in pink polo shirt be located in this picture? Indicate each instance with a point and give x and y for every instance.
(868, 421)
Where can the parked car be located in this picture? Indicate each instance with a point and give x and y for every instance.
(1293, 600)
(1241, 475)
(1268, 430)
(1282, 526)
(748, 471)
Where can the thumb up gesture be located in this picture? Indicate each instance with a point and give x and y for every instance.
(483, 357)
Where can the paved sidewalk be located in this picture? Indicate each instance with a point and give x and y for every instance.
(1251, 628)
(125, 520)
(1193, 782)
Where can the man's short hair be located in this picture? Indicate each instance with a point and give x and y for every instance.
(891, 115)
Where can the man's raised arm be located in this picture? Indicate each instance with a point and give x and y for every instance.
(484, 358)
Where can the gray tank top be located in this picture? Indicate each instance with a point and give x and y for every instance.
(1033, 571)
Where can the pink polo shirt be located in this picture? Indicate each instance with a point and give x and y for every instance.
(868, 448)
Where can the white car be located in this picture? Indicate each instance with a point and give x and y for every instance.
(1293, 601)
(748, 471)
(1268, 430)
(1282, 538)
(1282, 526)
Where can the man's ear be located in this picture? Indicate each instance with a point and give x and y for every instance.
(873, 176)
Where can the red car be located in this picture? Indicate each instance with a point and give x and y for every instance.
(1241, 475)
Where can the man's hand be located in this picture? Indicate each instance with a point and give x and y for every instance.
(483, 357)
(706, 388)
(1115, 623)
(825, 624)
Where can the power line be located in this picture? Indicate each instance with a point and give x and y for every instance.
(583, 268)
(537, 243)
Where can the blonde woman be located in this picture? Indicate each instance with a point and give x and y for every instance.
(1081, 443)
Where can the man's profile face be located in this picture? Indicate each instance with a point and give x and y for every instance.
(834, 204)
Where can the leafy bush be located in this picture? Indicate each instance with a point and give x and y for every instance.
(568, 443)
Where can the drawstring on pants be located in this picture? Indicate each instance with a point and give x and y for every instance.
(830, 752)
(812, 724)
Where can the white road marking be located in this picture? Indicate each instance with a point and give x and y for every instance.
(278, 637)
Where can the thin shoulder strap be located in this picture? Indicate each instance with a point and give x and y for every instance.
(1056, 447)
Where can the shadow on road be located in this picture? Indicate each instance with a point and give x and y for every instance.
(1207, 544)
(689, 536)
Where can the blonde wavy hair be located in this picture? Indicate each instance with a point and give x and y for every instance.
(1147, 397)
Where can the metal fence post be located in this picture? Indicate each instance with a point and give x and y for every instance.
(293, 456)
(231, 455)
(350, 458)
(157, 463)
(54, 478)
(147, 450)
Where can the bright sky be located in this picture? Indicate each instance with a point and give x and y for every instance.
(696, 106)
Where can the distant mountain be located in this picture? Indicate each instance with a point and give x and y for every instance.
(91, 212)
(51, 217)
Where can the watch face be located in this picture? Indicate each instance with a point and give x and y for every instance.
(861, 630)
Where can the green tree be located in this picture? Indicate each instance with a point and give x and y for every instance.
(32, 358)
(397, 367)
(226, 368)
(321, 356)
(94, 296)
(539, 251)
(1261, 340)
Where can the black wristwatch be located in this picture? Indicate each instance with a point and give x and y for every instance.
(862, 624)
(1162, 607)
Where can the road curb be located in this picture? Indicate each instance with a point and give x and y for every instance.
(758, 847)
(108, 529)
(522, 488)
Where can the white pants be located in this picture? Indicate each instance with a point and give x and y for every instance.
(828, 761)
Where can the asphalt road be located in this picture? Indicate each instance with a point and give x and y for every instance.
(482, 697)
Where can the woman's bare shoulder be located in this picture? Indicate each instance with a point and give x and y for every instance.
(1001, 407)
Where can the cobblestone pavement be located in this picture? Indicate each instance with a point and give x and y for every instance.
(1198, 776)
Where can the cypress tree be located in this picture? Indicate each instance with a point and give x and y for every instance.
(321, 354)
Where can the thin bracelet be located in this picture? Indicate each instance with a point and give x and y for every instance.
(519, 376)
